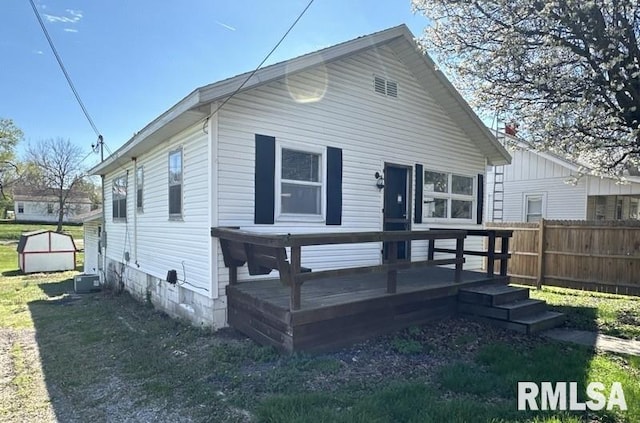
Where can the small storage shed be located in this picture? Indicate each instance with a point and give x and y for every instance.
(46, 251)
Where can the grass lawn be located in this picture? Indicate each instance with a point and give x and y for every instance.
(12, 231)
(614, 315)
(102, 357)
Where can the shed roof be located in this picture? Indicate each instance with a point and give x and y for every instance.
(196, 106)
(22, 243)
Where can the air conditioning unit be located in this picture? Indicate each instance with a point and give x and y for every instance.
(86, 283)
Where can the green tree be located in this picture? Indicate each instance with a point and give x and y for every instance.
(10, 136)
(568, 71)
(54, 166)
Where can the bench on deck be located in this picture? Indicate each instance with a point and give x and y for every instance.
(260, 259)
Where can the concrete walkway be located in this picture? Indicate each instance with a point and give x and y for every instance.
(595, 340)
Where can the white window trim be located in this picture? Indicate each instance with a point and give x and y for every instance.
(450, 196)
(20, 206)
(290, 217)
(176, 216)
(525, 204)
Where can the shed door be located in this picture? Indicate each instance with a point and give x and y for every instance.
(397, 192)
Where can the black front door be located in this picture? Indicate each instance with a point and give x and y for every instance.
(396, 205)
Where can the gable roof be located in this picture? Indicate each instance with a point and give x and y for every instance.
(196, 106)
(23, 193)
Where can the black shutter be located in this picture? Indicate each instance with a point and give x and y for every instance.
(480, 199)
(417, 216)
(264, 199)
(334, 186)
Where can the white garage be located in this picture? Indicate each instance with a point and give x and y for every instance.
(46, 251)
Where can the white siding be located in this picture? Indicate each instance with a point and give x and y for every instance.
(562, 200)
(370, 128)
(37, 211)
(155, 243)
(531, 174)
(91, 238)
(608, 186)
(527, 165)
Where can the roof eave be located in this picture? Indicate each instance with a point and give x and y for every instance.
(191, 103)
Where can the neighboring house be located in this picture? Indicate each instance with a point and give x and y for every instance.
(36, 205)
(300, 148)
(539, 185)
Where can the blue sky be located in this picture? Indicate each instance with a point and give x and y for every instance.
(132, 60)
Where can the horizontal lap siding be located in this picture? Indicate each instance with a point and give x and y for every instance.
(163, 244)
(530, 173)
(564, 201)
(370, 128)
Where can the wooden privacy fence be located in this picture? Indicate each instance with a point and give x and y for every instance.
(590, 255)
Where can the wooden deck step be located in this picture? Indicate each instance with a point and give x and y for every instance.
(492, 295)
(507, 307)
(529, 325)
(508, 311)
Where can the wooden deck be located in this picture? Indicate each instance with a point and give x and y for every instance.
(341, 310)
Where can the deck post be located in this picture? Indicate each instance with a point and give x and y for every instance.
(504, 250)
(233, 275)
(392, 275)
(294, 271)
(459, 259)
(491, 254)
(430, 251)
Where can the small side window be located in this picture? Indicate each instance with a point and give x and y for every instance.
(175, 184)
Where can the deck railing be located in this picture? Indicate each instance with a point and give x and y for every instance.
(265, 252)
(492, 256)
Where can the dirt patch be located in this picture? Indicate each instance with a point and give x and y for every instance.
(23, 392)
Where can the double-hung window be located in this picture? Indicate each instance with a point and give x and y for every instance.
(300, 185)
(533, 207)
(139, 188)
(448, 195)
(175, 184)
(119, 198)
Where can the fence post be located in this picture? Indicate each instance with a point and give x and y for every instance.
(540, 279)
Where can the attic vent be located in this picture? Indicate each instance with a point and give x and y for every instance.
(379, 85)
(392, 89)
(385, 87)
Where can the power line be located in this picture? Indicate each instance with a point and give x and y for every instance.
(62, 67)
(295, 22)
(237, 90)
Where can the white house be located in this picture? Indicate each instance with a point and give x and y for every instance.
(36, 205)
(544, 185)
(300, 148)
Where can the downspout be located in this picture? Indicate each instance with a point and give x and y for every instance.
(103, 235)
(135, 209)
